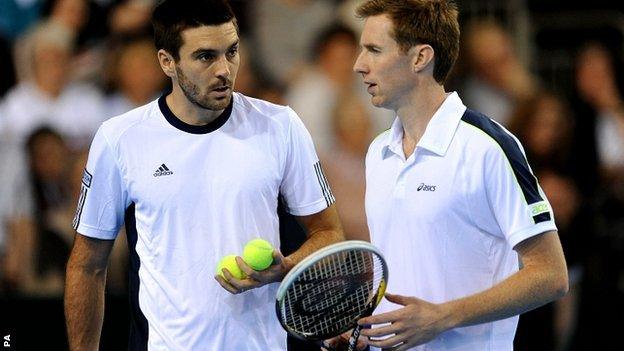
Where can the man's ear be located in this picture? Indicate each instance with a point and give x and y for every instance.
(167, 63)
(422, 58)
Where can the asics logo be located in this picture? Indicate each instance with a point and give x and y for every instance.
(425, 187)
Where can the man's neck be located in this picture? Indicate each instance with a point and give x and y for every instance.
(187, 111)
(416, 113)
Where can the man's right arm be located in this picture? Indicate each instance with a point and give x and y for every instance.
(84, 291)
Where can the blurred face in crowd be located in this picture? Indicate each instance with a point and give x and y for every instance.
(337, 57)
(139, 74)
(595, 75)
(208, 65)
(384, 68)
(490, 52)
(72, 13)
(51, 67)
(48, 157)
(548, 127)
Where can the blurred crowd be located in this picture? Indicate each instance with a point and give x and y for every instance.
(68, 65)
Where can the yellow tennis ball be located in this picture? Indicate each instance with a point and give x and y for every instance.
(258, 254)
(229, 262)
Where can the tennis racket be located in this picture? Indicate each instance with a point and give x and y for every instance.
(326, 293)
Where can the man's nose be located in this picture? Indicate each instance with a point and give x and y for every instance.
(359, 66)
(222, 67)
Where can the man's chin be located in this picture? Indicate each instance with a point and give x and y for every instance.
(216, 104)
(377, 101)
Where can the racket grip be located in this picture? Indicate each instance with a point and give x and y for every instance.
(354, 337)
(326, 346)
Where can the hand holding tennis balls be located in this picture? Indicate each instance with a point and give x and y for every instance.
(259, 265)
(229, 262)
(258, 254)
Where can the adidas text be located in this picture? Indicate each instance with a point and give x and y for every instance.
(162, 173)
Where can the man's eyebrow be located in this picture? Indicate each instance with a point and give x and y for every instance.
(212, 51)
(370, 46)
(204, 51)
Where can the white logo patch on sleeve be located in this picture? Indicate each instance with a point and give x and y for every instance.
(539, 208)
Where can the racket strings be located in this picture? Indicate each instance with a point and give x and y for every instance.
(333, 293)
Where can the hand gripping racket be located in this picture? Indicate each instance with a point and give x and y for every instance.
(326, 293)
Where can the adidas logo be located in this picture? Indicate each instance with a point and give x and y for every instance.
(162, 171)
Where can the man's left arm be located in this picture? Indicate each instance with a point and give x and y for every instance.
(542, 279)
(323, 229)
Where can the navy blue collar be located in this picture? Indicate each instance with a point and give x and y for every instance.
(189, 128)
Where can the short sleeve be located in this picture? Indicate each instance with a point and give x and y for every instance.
(304, 187)
(518, 203)
(103, 197)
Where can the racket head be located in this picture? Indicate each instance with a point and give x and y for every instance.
(327, 292)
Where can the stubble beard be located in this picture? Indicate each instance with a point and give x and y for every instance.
(193, 94)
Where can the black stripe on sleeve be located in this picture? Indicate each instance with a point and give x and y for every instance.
(517, 160)
(318, 177)
(81, 201)
(329, 191)
(542, 217)
(325, 182)
(329, 197)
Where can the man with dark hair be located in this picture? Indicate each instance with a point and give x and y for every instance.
(450, 198)
(195, 175)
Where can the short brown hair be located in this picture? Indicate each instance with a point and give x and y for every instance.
(170, 18)
(432, 22)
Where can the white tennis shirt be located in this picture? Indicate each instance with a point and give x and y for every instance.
(190, 195)
(447, 218)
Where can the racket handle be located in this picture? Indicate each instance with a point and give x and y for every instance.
(354, 337)
(326, 346)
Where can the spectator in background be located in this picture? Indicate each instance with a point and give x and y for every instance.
(597, 85)
(544, 126)
(131, 17)
(315, 92)
(15, 210)
(598, 152)
(344, 163)
(284, 32)
(49, 159)
(67, 16)
(48, 97)
(137, 77)
(37, 253)
(496, 80)
(71, 13)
